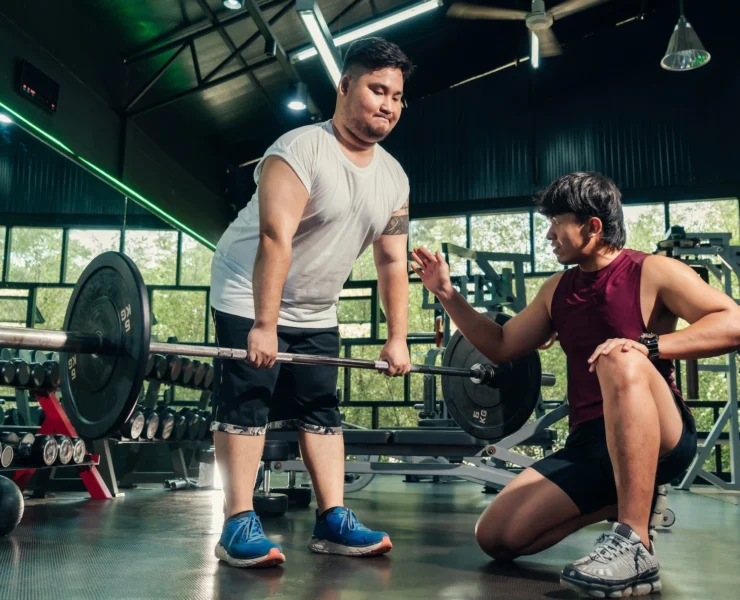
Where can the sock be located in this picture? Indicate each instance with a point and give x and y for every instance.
(244, 513)
(323, 515)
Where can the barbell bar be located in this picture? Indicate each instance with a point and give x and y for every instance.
(86, 343)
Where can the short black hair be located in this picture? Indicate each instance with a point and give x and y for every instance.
(587, 195)
(374, 53)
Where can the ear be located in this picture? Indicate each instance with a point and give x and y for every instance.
(595, 226)
(344, 83)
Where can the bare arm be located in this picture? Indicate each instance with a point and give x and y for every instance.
(282, 199)
(714, 317)
(390, 254)
(522, 334)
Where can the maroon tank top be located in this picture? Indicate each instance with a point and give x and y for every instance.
(588, 309)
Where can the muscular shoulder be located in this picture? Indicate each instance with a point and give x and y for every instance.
(547, 291)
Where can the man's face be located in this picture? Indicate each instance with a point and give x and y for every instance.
(373, 102)
(570, 240)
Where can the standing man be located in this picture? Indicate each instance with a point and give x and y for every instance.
(324, 193)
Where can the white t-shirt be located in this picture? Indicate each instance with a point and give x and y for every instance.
(348, 208)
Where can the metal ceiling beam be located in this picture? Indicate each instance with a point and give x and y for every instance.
(344, 11)
(205, 86)
(232, 48)
(250, 40)
(280, 54)
(190, 33)
(154, 79)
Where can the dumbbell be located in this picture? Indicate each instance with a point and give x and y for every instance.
(192, 423)
(151, 423)
(166, 424)
(13, 417)
(39, 356)
(66, 449)
(78, 450)
(199, 373)
(181, 425)
(208, 379)
(156, 366)
(265, 502)
(6, 354)
(6, 455)
(22, 373)
(205, 424)
(45, 375)
(2, 416)
(174, 367)
(187, 372)
(133, 428)
(7, 372)
(53, 374)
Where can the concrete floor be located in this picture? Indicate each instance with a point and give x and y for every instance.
(159, 544)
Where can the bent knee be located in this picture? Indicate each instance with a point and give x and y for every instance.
(622, 368)
(498, 542)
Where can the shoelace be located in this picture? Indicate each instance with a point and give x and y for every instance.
(251, 529)
(609, 546)
(349, 521)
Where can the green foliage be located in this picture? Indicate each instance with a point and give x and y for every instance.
(155, 253)
(85, 244)
(35, 255)
(195, 268)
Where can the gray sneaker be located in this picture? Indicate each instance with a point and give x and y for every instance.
(619, 566)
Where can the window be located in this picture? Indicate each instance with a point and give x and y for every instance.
(645, 225)
(544, 259)
(354, 313)
(367, 384)
(195, 262)
(85, 244)
(709, 216)
(51, 306)
(13, 308)
(35, 255)
(503, 233)
(155, 253)
(180, 314)
(432, 233)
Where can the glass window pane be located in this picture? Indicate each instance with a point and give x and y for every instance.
(370, 385)
(398, 416)
(533, 285)
(544, 259)
(710, 216)
(51, 306)
(35, 255)
(365, 266)
(500, 232)
(2, 249)
(155, 253)
(354, 316)
(432, 233)
(645, 226)
(180, 314)
(85, 244)
(195, 267)
(13, 311)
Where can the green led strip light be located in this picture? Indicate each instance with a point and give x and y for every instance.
(117, 183)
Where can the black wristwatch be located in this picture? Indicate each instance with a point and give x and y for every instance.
(650, 340)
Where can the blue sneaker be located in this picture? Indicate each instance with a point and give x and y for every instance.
(339, 532)
(243, 543)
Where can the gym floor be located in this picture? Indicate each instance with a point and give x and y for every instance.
(158, 544)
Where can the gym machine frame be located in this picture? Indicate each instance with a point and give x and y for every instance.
(716, 246)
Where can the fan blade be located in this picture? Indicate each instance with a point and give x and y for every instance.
(569, 7)
(549, 45)
(463, 10)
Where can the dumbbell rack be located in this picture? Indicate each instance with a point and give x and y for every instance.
(57, 423)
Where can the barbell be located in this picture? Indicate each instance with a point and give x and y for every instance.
(106, 343)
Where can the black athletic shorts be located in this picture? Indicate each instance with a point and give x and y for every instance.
(583, 469)
(286, 396)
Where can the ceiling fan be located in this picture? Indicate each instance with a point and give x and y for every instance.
(539, 21)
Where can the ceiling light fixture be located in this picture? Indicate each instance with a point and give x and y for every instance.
(685, 51)
(299, 100)
(233, 4)
(318, 30)
(373, 26)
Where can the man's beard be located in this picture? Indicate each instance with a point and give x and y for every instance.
(366, 131)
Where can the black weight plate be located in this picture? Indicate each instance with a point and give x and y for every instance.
(99, 392)
(483, 411)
